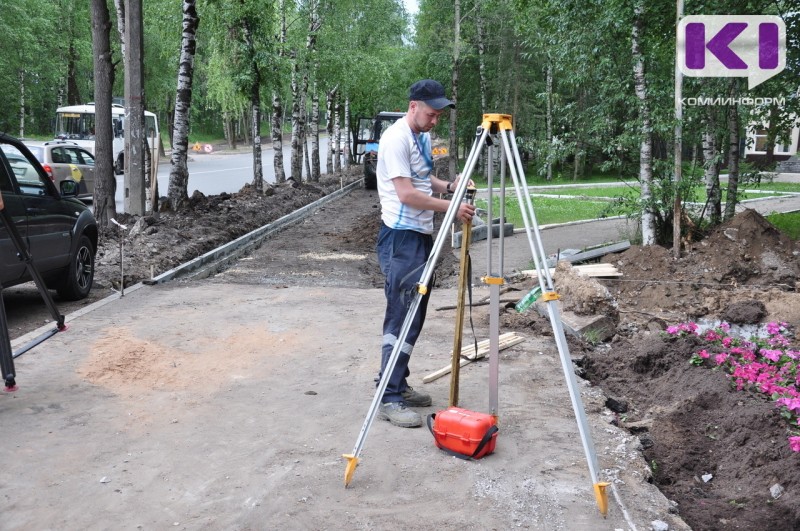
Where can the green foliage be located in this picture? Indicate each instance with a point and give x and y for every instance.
(367, 50)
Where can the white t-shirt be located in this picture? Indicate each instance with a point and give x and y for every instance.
(401, 153)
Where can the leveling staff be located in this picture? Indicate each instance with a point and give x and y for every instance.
(406, 185)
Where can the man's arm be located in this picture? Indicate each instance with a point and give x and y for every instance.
(408, 195)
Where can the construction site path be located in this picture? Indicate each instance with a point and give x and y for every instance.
(226, 403)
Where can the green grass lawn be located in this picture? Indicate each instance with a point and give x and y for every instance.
(788, 223)
(582, 205)
(548, 210)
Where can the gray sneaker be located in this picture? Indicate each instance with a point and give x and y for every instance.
(399, 415)
(414, 398)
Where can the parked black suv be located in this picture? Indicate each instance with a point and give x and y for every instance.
(59, 230)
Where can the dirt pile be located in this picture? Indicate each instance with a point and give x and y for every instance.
(155, 244)
(721, 454)
(745, 258)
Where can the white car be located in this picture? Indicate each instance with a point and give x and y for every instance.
(62, 159)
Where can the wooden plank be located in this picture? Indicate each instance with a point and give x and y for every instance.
(587, 270)
(468, 354)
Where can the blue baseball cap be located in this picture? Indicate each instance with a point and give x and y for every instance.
(431, 92)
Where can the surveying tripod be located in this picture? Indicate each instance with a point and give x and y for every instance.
(494, 128)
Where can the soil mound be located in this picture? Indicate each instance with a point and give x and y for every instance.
(747, 252)
(721, 454)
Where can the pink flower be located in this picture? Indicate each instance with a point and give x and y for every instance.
(772, 355)
(727, 341)
(689, 327)
(721, 358)
(775, 328)
(794, 443)
(673, 330)
(704, 354)
(792, 404)
(778, 341)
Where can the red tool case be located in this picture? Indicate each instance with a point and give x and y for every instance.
(464, 433)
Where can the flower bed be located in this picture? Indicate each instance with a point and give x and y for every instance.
(764, 363)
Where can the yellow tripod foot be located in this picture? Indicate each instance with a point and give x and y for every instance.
(601, 496)
(352, 463)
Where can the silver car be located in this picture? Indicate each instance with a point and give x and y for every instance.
(62, 159)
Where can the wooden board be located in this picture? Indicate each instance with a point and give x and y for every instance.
(468, 353)
(587, 270)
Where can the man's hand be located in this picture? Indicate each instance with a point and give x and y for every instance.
(465, 212)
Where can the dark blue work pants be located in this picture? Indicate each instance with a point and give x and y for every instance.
(402, 255)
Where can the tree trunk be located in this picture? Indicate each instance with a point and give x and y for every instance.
(255, 104)
(646, 144)
(580, 145)
(733, 160)
(313, 27)
(481, 45)
(255, 110)
(277, 139)
(452, 163)
(330, 103)
(247, 125)
(296, 169)
(711, 175)
(21, 78)
(549, 125)
(105, 184)
(315, 164)
(347, 151)
(337, 139)
(177, 192)
(229, 130)
(171, 119)
(772, 133)
(302, 126)
(119, 5)
(73, 92)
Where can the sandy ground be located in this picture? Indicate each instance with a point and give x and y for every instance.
(217, 405)
(227, 403)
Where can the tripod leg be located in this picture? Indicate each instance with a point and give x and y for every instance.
(551, 298)
(26, 257)
(6, 356)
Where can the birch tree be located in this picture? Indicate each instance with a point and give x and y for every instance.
(177, 192)
(330, 109)
(646, 146)
(277, 138)
(277, 106)
(296, 169)
(452, 162)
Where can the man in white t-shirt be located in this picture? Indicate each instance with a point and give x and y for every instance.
(406, 186)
